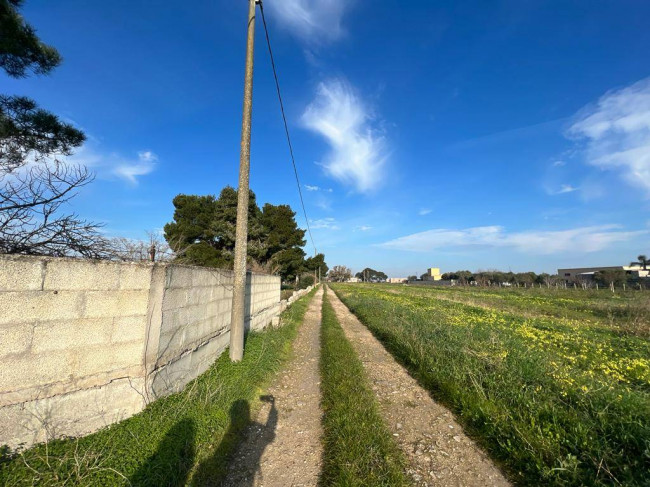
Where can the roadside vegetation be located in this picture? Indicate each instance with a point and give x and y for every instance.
(557, 394)
(358, 448)
(185, 438)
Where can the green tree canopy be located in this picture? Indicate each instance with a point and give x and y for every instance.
(289, 263)
(21, 50)
(204, 227)
(369, 274)
(25, 129)
(203, 230)
(225, 222)
(193, 217)
(191, 235)
(315, 263)
(283, 241)
(281, 229)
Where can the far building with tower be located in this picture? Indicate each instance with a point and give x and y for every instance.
(433, 274)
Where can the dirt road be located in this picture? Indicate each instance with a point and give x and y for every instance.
(283, 447)
(438, 451)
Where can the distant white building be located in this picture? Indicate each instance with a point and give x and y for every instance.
(397, 280)
(354, 279)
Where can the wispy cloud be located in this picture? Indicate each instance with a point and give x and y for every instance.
(110, 165)
(131, 170)
(318, 188)
(617, 133)
(327, 223)
(567, 188)
(324, 203)
(358, 153)
(558, 163)
(563, 189)
(583, 239)
(424, 211)
(314, 21)
(364, 228)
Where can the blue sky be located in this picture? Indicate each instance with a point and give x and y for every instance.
(469, 134)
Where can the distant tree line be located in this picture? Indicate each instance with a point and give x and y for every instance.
(489, 277)
(203, 233)
(371, 275)
(607, 278)
(339, 273)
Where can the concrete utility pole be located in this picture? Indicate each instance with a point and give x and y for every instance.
(241, 233)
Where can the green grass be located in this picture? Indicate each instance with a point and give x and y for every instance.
(559, 399)
(183, 439)
(627, 312)
(358, 448)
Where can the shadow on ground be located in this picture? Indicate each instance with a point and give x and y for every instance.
(170, 465)
(252, 439)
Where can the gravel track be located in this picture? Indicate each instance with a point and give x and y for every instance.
(283, 447)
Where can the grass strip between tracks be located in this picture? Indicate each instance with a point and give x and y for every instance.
(358, 447)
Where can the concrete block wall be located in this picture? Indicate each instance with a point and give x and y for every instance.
(84, 344)
(70, 333)
(264, 302)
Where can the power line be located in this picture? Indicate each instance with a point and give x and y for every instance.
(286, 126)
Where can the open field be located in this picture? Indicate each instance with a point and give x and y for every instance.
(627, 312)
(554, 384)
(185, 438)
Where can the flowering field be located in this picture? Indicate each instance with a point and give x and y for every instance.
(628, 312)
(555, 385)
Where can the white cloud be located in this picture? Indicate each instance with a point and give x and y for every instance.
(314, 21)
(424, 211)
(324, 204)
(318, 188)
(364, 228)
(358, 154)
(147, 156)
(583, 239)
(327, 223)
(617, 133)
(559, 163)
(564, 188)
(567, 188)
(130, 170)
(109, 165)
